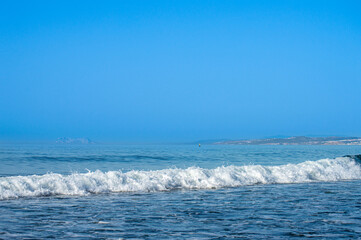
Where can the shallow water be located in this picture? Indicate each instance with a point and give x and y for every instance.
(321, 198)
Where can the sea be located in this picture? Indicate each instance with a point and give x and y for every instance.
(104, 191)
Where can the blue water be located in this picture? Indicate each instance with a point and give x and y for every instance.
(179, 192)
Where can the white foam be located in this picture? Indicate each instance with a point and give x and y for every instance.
(169, 179)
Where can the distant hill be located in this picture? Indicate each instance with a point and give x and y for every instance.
(66, 140)
(298, 140)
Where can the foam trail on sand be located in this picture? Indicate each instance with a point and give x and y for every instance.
(343, 168)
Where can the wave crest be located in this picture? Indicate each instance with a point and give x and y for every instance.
(344, 168)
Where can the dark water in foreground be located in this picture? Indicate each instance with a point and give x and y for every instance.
(170, 192)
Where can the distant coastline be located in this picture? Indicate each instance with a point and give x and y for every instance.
(297, 140)
(67, 140)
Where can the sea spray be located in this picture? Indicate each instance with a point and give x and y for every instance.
(344, 168)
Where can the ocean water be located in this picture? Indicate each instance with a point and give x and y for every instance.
(179, 192)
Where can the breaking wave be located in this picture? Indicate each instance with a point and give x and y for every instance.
(343, 168)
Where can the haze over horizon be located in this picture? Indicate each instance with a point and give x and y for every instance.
(169, 71)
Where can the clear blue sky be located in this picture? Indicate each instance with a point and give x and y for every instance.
(179, 70)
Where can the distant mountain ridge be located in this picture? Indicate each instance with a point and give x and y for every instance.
(66, 140)
(297, 140)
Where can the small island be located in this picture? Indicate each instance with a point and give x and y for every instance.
(297, 140)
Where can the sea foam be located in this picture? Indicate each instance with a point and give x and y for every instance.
(344, 168)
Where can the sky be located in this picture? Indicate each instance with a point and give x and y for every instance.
(179, 70)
